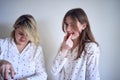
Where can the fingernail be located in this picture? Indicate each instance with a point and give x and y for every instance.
(12, 77)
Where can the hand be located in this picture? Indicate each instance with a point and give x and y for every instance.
(67, 43)
(6, 69)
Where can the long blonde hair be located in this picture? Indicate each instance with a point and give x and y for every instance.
(28, 23)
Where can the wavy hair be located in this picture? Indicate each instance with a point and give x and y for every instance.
(29, 25)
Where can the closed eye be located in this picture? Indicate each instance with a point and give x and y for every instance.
(20, 33)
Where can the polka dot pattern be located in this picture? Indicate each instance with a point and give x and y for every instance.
(28, 64)
(84, 68)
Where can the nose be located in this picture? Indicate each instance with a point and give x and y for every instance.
(68, 28)
(24, 36)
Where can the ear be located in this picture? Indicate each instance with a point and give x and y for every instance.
(84, 26)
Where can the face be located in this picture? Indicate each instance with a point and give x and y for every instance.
(21, 37)
(71, 30)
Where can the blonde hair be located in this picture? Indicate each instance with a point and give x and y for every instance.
(28, 23)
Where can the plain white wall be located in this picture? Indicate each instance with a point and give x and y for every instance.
(104, 17)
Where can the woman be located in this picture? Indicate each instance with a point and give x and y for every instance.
(21, 56)
(78, 56)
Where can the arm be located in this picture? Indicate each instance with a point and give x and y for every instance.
(0, 48)
(92, 72)
(40, 67)
(6, 68)
(58, 63)
(61, 57)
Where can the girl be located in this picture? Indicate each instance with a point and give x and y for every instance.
(78, 56)
(21, 56)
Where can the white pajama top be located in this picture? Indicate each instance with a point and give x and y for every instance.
(28, 64)
(83, 68)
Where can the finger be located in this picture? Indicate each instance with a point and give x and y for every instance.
(69, 39)
(12, 72)
(0, 68)
(3, 70)
(65, 37)
(70, 36)
(69, 42)
(6, 72)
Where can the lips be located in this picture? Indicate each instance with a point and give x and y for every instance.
(68, 34)
(22, 40)
(72, 33)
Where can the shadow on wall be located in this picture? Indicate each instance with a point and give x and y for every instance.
(48, 40)
(5, 30)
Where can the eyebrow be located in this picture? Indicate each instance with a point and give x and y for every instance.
(19, 31)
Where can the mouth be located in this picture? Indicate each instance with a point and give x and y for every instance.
(72, 33)
(22, 40)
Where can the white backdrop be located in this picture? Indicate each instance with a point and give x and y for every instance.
(104, 17)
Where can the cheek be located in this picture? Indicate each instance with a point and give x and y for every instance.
(17, 37)
(76, 35)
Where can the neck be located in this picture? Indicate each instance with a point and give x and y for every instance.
(21, 47)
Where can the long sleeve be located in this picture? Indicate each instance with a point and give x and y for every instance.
(2, 46)
(58, 63)
(29, 64)
(40, 67)
(92, 72)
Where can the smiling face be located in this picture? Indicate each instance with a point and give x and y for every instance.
(73, 28)
(21, 37)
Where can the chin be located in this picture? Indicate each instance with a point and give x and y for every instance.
(75, 38)
(22, 43)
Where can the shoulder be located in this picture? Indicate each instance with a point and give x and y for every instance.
(38, 52)
(92, 48)
(4, 43)
(91, 45)
(39, 47)
(5, 40)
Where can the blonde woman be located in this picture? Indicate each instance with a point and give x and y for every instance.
(78, 56)
(21, 56)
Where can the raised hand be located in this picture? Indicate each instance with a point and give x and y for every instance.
(67, 43)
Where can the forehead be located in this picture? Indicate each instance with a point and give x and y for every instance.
(20, 29)
(71, 20)
(68, 19)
